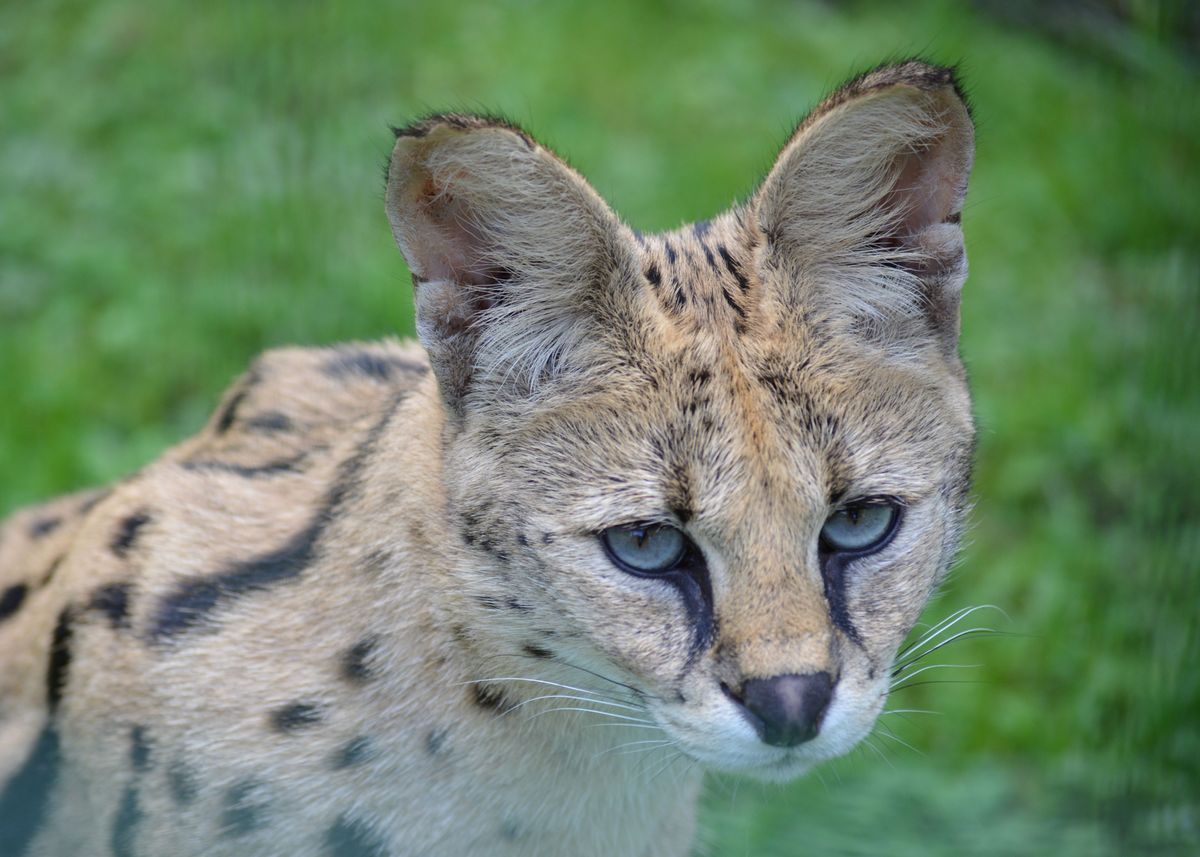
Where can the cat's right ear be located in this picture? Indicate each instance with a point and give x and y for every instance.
(510, 251)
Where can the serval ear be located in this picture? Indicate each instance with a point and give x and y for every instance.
(509, 248)
(862, 207)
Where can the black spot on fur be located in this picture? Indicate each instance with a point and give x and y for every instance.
(436, 740)
(489, 698)
(139, 749)
(536, 651)
(269, 468)
(678, 293)
(700, 228)
(653, 275)
(355, 753)
(365, 364)
(42, 527)
(244, 809)
(193, 601)
(124, 831)
(350, 837)
(671, 255)
(229, 412)
(25, 798)
(12, 599)
(547, 538)
(60, 659)
(354, 662)
(112, 600)
(523, 540)
(269, 422)
(181, 782)
(127, 533)
(733, 268)
(297, 716)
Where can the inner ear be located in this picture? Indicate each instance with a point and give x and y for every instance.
(927, 190)
(449, 243)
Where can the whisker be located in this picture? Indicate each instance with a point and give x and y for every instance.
(928, 667)
(611, 714)
(935, 681)
(523, 703)
(970, 632)
(907, 711)
(531, 681)
(888, 733)
(946, 624)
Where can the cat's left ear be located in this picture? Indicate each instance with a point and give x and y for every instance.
(862, 207)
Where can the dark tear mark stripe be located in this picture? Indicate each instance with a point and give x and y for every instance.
(60, 659)
(834, 576)
(127, 533)
(733, 268)
(192, 603)
(25, 799)
(270, 468)
(350, 837)
(12, 599)
(124, 831)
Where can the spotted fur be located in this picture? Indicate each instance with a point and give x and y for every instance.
(366, 610)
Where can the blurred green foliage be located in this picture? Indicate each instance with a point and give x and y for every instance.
(185, 184)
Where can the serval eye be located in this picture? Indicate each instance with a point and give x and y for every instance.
(860, 526)
(644, 548)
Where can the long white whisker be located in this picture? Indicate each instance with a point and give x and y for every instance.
(523, 703)
(969, 632)
(611, 714)
(907, 711)
(531, 681)
(944, 626)
(928, 667)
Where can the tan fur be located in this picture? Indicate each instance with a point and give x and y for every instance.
(366, 610)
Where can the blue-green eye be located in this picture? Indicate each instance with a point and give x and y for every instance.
(861, 526)
(645, 548)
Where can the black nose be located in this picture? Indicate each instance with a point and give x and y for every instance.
(786, 710)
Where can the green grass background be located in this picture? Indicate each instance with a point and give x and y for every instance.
(184, 184)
